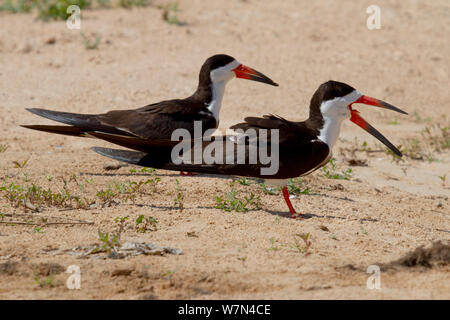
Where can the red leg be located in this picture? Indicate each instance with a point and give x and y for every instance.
(289, 204)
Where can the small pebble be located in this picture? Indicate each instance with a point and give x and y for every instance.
(51, 40)
(114, 165)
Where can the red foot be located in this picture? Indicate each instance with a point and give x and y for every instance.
(289, 204)
(182, 173)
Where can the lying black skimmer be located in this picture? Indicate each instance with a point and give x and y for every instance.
(303, 147)
(155, 123)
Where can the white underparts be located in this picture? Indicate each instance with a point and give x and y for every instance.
(219, 79)
(274, 183)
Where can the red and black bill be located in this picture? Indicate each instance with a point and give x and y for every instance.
(358, 120)
(245, 72)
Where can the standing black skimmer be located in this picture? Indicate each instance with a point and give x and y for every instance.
(155, 123)
(303, 147)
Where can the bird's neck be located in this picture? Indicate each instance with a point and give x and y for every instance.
(217, 90)
(327, 117)
(210, 94)
(330, 130)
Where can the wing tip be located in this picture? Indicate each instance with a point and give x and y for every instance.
(102, 151)
(131, 157)
(35, 110)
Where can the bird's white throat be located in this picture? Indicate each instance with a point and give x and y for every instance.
(335, 111)
(219, 79)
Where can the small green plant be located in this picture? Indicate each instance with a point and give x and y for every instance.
(47, 282)
(143, 170)
(57, 9)
(330, 171)
(410, 148)
(364, 231)
(168, 274)
(89, 43)
(134, 3)
(435, 138)
(445, 138)
(268, 190)
(243, 259)
(20, 165)
(126, 191)
(3, 147)
(108, 242)
(296, 186)
(394, 122)
(170, 14)
(443, 179)
(104, 3)
(243, 181)
(365, 147)
(418, 117)
(438, 137)
(38, 230)
(106, 195)
(19, 195)
(137, 186)
(26, 177)
(302, 248)
(233, 203)
(179, 199)
(144, 224)
(19, 6)
(120, 221)
(272, 245)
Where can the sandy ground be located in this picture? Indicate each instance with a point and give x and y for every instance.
(387, 209)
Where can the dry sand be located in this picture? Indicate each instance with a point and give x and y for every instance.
(384, 211)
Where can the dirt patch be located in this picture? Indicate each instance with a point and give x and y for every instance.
(46, 269)
(437, 255)
(386, 208)
(121, 272)
(8, 268)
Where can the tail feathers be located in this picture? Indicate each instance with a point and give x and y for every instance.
(134, 143)
(84, 122)
(155, 160)
(65, 130)
(73, 119)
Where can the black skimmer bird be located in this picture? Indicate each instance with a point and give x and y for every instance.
(303, 147)
(155, 123)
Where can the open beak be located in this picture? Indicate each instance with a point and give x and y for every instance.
(358, 120)
(245, 72)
